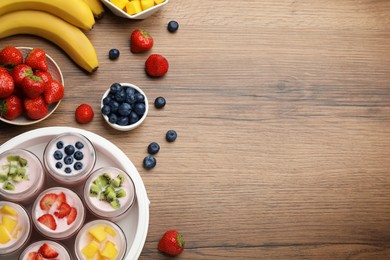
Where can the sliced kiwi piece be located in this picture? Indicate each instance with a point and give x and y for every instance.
(116, 182)
(115, 204)
(3, 177)
(8, 186)
(111, 196)
(120, 193)
(94, 190)
(107, 176)
(121, 177)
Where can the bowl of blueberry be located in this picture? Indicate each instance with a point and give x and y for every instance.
(124, 106)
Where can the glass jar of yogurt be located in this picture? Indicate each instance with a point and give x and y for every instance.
(109, 193)
(69, 158)
(47, 249)
(58, 213)
(100, 239)
(15, 227)
(21, 176)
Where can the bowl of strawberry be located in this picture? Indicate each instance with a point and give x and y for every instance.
(31, 85)
(124, 106)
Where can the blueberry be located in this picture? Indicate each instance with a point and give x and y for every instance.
(120, 96)
(115, 87)
(79, 145)
(153, 148)
(133, 118)
(68, 170)
(139, 108)
(69, 149)
(78, 166)
(139, 97)
(58, 165)
(159, 102)
(107, 100)
(114, 106)
(173, 26)
(60, 145)
(130, 91)
(113, 54)
(124, 109)
(123, 120)
(149, 162)
(106, 110)
(58, 155)
(113, 118)
(78, 155)
(130, 96)
(68, 160)
(171, 135)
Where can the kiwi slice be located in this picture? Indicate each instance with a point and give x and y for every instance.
(120, 193)
(8, 186)
(94, 190)
(115, 204)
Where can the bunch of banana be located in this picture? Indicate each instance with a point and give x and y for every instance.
(59, 21)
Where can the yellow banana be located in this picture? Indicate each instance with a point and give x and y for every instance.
(96, 7)
(67, 36)
(76, 12)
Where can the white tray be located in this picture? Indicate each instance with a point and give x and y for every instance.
(135, 224)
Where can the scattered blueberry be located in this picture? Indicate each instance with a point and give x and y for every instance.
(113, 54)
(79, 145)
(78, 155)
(153, 148)
(58, 155)
(68, 170)
(149, 162)
(60, 145)
(69, 149)
(78, 166)
(171, 135)
(58, 165)
(173, 26)
(159, 102)
(68, 160)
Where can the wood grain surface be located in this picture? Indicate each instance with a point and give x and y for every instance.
(282, 111)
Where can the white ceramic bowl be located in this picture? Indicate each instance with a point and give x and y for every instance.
(142, 15)
(131, 126)
(56, 74)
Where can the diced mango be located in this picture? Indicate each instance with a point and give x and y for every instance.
(109, 250)
(110, 231)
(158, 1)
(90, 250)
(9, 210)
(133, 7)
(98, 233)
(119, 3)
(9, 223)
(145, 4)
(4, 235)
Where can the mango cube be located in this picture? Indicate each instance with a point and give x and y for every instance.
(9, 210)
(133, 7)
(119, 3)
(98, 233)
(109, 250)
(158, 1)
(90, 250)
(9, 223)
(110, 231)
(145, 4)
(4, 235)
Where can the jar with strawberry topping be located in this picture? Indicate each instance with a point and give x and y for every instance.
(45, 249)
(58, 213)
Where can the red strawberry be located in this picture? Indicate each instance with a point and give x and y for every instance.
(36, 59)
(36, 108)
(11, 107)
(72, 216)
(172, 243)
(156, 65)
(34, 256)
(10, 56)
(33, 86)
(6, 84)
(47, 251)
(84, 113)
(45, 75)
(3, 69)
(54, 91)
(48, 220)
(140, 41)
(61, 198)
(19, 72)
(47, 201)
(63, 210)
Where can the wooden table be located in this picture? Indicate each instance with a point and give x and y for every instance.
(282, 114)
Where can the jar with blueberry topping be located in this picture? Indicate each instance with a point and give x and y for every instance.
(69, 158)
